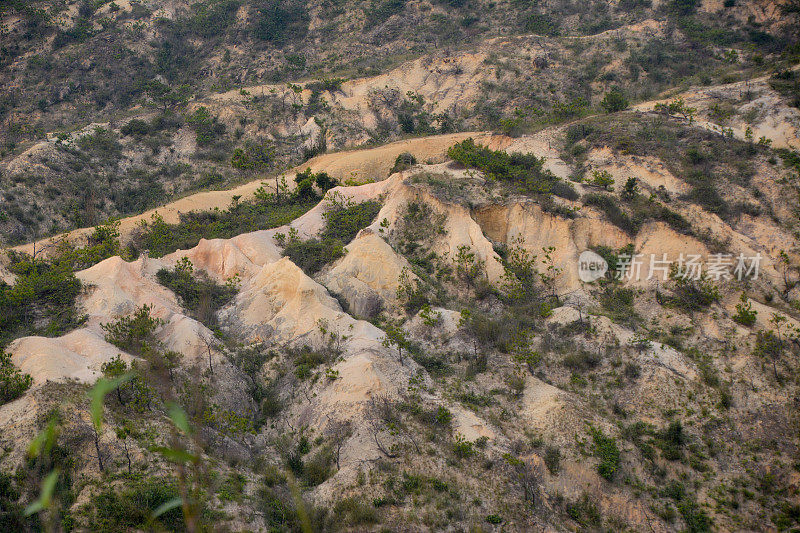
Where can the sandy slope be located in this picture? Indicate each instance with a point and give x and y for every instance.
(358, 165)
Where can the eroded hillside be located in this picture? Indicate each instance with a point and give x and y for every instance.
(399, 266)
(449, 368)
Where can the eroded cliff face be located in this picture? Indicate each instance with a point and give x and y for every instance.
(528, 381)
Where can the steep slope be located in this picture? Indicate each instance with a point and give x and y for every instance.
(561, 403)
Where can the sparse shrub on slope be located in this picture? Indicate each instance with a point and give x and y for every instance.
(525, 171)
(135, 333)
(133, 507)
(42, 300)
(197, 291)
(265, 211)
(13, 383)
(605, 448)
(343, 220)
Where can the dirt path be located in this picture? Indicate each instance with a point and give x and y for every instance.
(356, 165)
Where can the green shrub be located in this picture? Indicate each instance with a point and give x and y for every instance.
(343, 220)
(552, 459)
(605, 448)
(542, 24)
(197, 291)
(318, 467)
(207, 128)
(614, 101)
(745, 314)
(42, 300)
(253, 156)
(671, 440)
(12, 516)
(705, 194)
(525, 171)
(136, 127)
(278, 20)
(352, 511)
(133, 506)
(403, 162)
(265, 211)
(312, 255)
(581, 360)
(381, 10)
(101, 143)
(135, 333)
(695, 518)
(584, 511)
(608, 205)
(618, 303)
(209, 20)
(463, 448)
(13, 383)
(692, 294)
(305, 360)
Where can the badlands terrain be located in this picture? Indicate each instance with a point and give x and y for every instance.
(323, 266)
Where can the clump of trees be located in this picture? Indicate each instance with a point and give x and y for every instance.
(524, 171)
(198, 293)
(343, 220)
(265, 210)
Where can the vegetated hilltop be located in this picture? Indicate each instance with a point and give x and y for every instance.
(108, 109)
(398, 336)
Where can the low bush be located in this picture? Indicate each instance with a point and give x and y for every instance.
(135, 333)
(343, 220)
(609, 205)
(206, 127)
(136, 127)
(618, 303)
(13, 383)
(265, 211)
(690, 293)
(524, 171)
(350, 512)
(745, 314)
(552, 459)
(133, 507)
(585, 512)
(197, 291)
(403, 162)
(605, 448)
(614, 101)
(42, 300)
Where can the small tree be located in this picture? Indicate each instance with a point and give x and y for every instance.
(123, 432)
(134, 333)
(165, 97)
(745, 314)
(114, 369)
(395, 336)
(770, 343)
(605, 448)
(614, 101)
(13, 383)
(551, 273)
(338, 431)
(602, 179)
(631, 189)
(786, 270)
